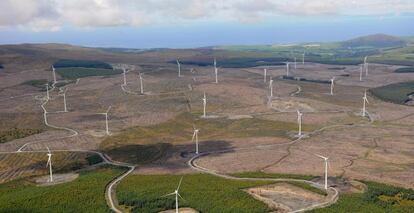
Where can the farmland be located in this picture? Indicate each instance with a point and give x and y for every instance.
(71, 73)
(143, 193)
(16, 133)
(81, 195)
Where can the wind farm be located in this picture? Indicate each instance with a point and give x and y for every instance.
(296, 127)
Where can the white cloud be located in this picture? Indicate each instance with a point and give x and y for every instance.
(50, 15)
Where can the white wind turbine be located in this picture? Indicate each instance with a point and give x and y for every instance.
(303, 58)
(360, 73)
(195, 136)
(326, 169)
(299, 123)
(125, 82)
(54, 74)
(106, 120)
(141, 83)
(204, 105)
(177, 194)
(271, 87)
(49, 164)
(47, 91)
(215, 70)
(179, 68)
(364, 102)
(287, 68)
(332, 84)
(264, 74)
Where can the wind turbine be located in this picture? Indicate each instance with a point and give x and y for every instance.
(300, 123)
(195, 136)
(265, 75)
(215, 70)
(326, 169)
(141, 84)
(47, 91)
(49, 163)
(179, 68)
(364, 102)
(177, 194)
(303, 58)
(366, 65)
(360, 73)
(204, 105)
(332, 84)
(106, 119)
(271, 87)
(125, 82)
(287, 68)
(54, 74)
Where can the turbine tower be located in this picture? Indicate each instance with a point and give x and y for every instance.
(179, 68)
(332, 84)
(141, 84)
(49, 164)
(271, 87)
(360, 73)
(215, 70)
(287, 68)
(303, 58)
(125, 82)
(204, 105)
(326, 169)
(54, 74)
(195, 136)
(177, 194)
(366, 65)
(300, 123)
(364, 102)
(265, 75)
(106, 120)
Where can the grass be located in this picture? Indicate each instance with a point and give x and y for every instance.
(158, 138)
(379, 198)
(205, 193)
(16, 133)
(85, 194)
(72, 73)
(94, 159)
(272, 175)
(395, 93)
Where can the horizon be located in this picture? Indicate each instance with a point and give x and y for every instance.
(192, 24)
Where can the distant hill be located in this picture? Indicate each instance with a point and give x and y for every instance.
(375, 40)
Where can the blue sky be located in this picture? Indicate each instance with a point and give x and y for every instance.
(197, 23)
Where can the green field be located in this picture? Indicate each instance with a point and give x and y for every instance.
(133, 145)
(379, 198)
(202, 192)
(81, 72)
(85, 194)
(394, 93)
(15, 133)
(38, 83)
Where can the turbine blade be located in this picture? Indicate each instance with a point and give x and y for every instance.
(321, 156)
(166, 195)
(180, 196)
(179, 184)
(48, 150)
(109, 108)
(192, 139)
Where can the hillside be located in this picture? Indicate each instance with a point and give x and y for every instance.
(375, 40)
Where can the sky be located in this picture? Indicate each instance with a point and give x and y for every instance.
(198, 23)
